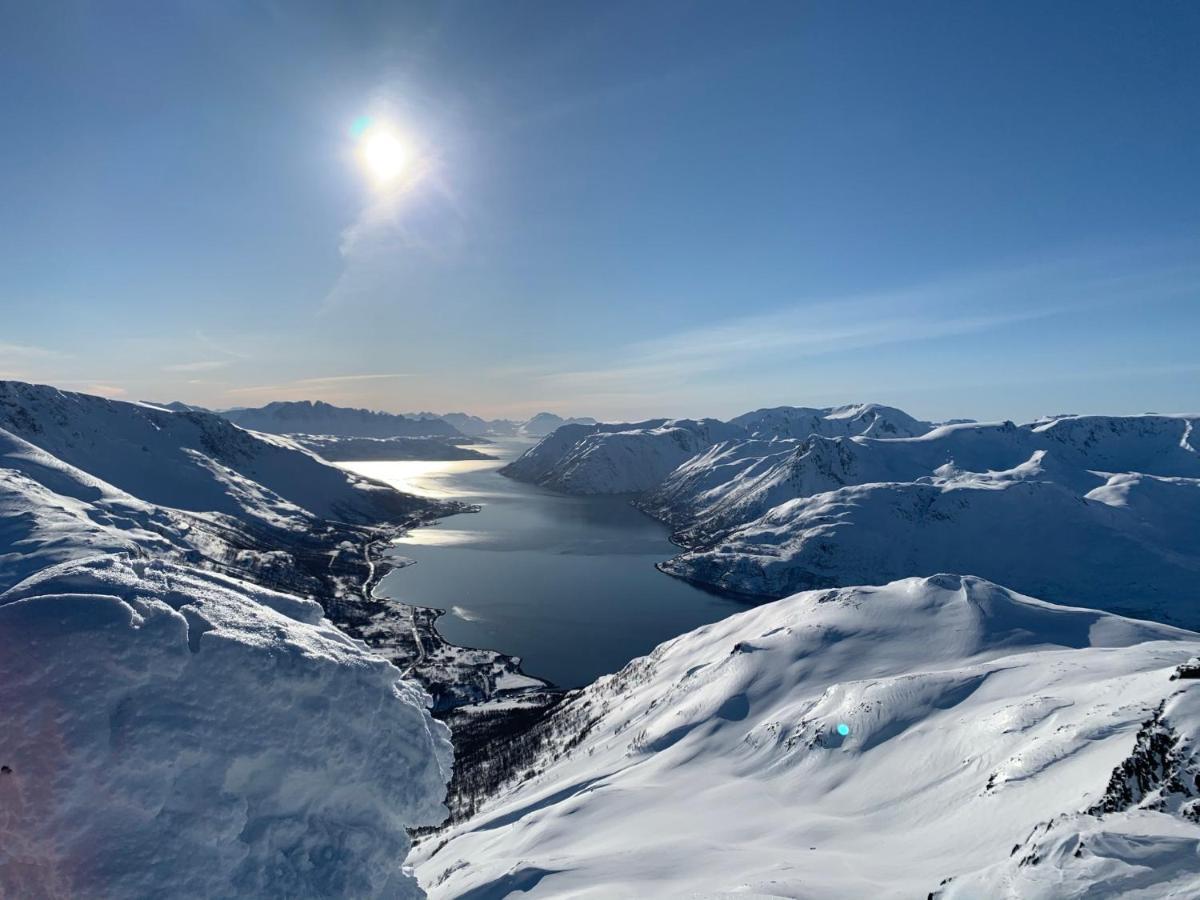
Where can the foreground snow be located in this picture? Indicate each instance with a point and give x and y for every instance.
(173, 731)
(974, 715)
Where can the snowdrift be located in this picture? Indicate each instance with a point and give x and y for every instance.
(170, 731)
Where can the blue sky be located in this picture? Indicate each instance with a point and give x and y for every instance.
(621, 209)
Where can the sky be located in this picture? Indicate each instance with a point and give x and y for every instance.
(623, 210)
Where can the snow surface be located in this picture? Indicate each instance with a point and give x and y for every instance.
(174, 731)
(714, 764)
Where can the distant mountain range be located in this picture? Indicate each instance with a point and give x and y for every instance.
(320, 418)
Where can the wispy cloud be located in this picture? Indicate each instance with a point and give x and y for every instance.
(205, 365)
(27, 351)
(747, 345)
(807, 331)
(99, 388)
(303, 386)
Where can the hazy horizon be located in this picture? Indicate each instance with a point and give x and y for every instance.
(621, 212)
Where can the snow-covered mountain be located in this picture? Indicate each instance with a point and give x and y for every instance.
(636, 457)
(615, 458)
(1096, 512)
(868, 419)
(861, 742)
(307, 417)
(1099, 511)
(172, 731)
(192, 461)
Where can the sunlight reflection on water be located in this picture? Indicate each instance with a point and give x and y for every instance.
(423, 477)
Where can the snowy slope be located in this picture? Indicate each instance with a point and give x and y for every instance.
(51, 512)
(870, 419)
(636, 457)
(1085, 510)
(1139, 840)
(1037, 535)
(715, 764)
(192, 460)
(307, 417)
(616, 459)
(173, 732)
(1064, 510)
(346, 449)
(702, 506)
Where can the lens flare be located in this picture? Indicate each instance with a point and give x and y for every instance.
(843, 729)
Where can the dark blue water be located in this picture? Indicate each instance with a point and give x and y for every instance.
(568, 584)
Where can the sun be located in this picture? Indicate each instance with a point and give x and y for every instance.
(384, 153)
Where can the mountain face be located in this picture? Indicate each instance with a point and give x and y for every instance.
(867, 419)
(191, 461)
(846, 743)
(173, 723)
(308, 417)
(615, 459)
(1084, 510)
(636, 457)
(1097, 513)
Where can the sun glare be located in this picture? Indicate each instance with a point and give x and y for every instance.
(383, 153)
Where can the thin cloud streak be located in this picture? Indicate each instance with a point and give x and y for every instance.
(28, 351)
(943, 308)
(206, 365)
(326, 380)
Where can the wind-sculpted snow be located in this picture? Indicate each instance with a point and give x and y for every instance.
(171, 732)
(1139, 839)
(715, 764)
